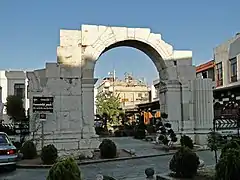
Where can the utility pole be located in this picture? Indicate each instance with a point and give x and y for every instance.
(114, 76)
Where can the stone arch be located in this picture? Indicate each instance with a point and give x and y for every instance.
(152, 45)
(80, 50)
(142, 39)
(142, 46)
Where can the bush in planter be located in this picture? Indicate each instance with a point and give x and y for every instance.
(108, 149)
(167, 125)
(139, 132)
(49, 154)
(184, 163)
(118, 133)
(214, 142)
(164, 115)
(150, 129)
(232, 144)
(28, 150)
(174, 138)
(228, 167)
(66, 169)
(161, 137)
(166, 134)
(186, 141)
(165, 140)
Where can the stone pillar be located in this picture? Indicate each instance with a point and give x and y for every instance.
(187, 120)
(88, 109)
(203, 108)
(170, 102)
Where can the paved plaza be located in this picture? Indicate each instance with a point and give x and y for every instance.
(119, 169)
(142, 148)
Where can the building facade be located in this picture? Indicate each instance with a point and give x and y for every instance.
(226, 57)
(131, 91)
(12, 83)
(224, 70)
(206, 70)
(227, 75)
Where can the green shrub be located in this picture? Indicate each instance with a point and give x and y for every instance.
(108, 149)
(118, 133)
(186, 141)
(165, 140)
(184, 163)
(66, 169)
(28, 150)
(232, 144)
(164, 115)
(174, 138)
(49, 154)
(228, 166)
(214, 140)
(139, 134)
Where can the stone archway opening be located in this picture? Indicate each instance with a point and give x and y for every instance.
(147, 49)
(129, 98)
(144, 47)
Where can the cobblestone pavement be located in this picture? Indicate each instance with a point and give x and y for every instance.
(121, 170)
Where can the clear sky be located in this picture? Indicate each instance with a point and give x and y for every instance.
(29, 29)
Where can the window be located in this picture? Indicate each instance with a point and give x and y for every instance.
(204, 74)
(219, 74)
(4, 139)
(140, 95)
(233, 69)
(19, 90)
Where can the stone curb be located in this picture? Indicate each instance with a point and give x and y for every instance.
(29, 166)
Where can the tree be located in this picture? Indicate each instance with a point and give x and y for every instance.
(214, 142)
(15, 109)
(108, 104)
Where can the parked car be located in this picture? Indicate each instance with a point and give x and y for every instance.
(8, 152)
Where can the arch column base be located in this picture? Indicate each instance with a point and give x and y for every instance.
(170, 102)
(189, 107)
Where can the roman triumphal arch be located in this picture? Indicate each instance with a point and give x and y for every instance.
(71, 81)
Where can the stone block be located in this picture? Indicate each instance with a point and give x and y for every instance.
(75, 124)
(57, 86)
(63, 120)
(69, 38)
(70, 71)
(89, 34)
(120, 33)
(51, 123)
(52, 70)
(142, 33)
(67, 103)
(65, 55)
(131, 33)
